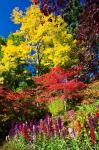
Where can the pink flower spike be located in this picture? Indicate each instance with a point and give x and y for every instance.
(71, 115)
(71, 133)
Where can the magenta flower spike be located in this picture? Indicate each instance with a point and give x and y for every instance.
(50, 125)
(64, 132)
(47, 120)
(59, 122)
(41, 125)
(91, 121)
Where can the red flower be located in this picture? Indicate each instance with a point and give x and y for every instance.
(92, 135)
(24, 132)
(97, 114)
(78, 126)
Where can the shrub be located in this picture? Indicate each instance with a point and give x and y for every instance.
(61, 83)
(56, 107)
(16, 106)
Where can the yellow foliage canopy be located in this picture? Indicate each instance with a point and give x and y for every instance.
(47, 35)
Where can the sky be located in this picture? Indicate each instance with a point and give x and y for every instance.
(6, 7)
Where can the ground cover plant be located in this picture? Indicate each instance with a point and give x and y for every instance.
(49, 88)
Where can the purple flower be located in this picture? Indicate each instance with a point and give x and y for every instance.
(35, 121)
(41, 125)
(52, 131)
(63, 132)
(47, 120)
(31, 124)
(96, 120)
(20, 126)
(13, 124)
(12, 132)
(59, 122)
(55, 126)
(50, 124)
(91, 121)
(35, 129)
(16, 127)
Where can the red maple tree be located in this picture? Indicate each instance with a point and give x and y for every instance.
(59, 82)
(18, 104)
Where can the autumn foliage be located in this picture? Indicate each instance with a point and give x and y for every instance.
(59, 82)
(43, 70)
(18, 104)
(49, 6)
(88, 29)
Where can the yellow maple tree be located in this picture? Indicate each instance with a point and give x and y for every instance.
(47, 35)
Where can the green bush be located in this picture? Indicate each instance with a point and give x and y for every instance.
(56, 107)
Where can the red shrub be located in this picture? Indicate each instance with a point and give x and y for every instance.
(59, 82)
(17, 104)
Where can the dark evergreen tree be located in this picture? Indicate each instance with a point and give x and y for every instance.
(72, 14)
